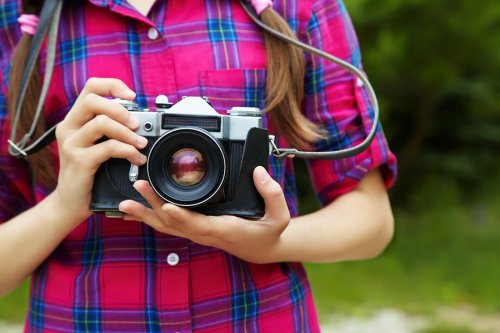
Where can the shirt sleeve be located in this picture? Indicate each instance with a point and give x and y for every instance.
(16, 192)
(338, 101)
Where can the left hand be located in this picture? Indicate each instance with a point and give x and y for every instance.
(253, 241)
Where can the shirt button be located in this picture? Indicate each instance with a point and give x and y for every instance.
(153, 33)
(173, 259)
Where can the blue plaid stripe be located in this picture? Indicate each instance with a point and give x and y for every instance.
(37, 313)
(255, 89)
(134, 49)
(150, 262)
(87, 319)
(86, 313)
(220, 30)
(73, 50)
(314, 81)
(8, 14)
(222, 34)
(244, 298)
(133, 40)
(245, 305)
(297, 295)
(37, 305)
(315, 72)
(141, 100)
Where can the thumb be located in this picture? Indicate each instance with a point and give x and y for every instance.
(271, 192)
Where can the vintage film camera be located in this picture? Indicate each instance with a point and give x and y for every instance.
(197, 158)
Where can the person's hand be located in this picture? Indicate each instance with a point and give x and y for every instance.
(254, 241)
(91, 118)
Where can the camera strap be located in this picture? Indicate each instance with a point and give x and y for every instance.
(48, 25)
(348, 152)
(49, 22)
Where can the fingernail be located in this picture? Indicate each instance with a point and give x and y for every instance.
(130, 92)
(132, 122)
(262, 174)
(120, 207)
(142, 141)
(142, 158)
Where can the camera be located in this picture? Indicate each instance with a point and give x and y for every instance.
(196, 158)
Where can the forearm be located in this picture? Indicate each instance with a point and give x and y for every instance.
(358, 225)
(28, 239)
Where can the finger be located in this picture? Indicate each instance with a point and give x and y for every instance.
(207, 230)
(271, 192)
(147, 192)
(112, 148)
(136, 211)
(107, 87)
(104, 126)
(89, 106)
(129, 217)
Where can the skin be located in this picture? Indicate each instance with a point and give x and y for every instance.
(143, 6)
(339, 231)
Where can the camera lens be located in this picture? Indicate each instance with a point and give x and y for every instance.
(187, 167)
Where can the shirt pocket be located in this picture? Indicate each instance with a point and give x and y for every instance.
(233, 88)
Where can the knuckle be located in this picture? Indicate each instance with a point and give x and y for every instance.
(285, 219)
(89, 101)
(82, 160)
(60, 132)
(205, 230)
(275, 190)
(67, 148)
(91, 83)
(112, 145)
(101, 122)
(75, 157)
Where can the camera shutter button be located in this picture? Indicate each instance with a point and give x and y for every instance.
(153, 33)
(173, 259)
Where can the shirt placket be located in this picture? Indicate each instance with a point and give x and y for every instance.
(170, 294)
(172, 287)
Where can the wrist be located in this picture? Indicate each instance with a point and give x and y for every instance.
(62, 215)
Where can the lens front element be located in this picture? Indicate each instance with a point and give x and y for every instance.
(187, 167)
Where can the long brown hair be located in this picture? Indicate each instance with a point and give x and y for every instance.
(285, 92)
(41, 163)
(285, 85)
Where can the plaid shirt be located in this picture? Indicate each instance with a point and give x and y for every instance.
(112, 275)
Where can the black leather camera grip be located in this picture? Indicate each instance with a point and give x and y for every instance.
(246, 202)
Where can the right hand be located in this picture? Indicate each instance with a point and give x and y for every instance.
(92, 117)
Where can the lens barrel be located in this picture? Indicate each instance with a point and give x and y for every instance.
(187, 166)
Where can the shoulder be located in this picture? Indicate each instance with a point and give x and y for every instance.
(303, 15)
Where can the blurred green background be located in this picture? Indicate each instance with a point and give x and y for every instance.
(436, 68)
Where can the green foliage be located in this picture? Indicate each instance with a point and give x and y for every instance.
(447, 328)
(13, 307)
(436, 68)
(445, 253)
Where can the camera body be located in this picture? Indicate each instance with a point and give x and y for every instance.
(197, 158)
